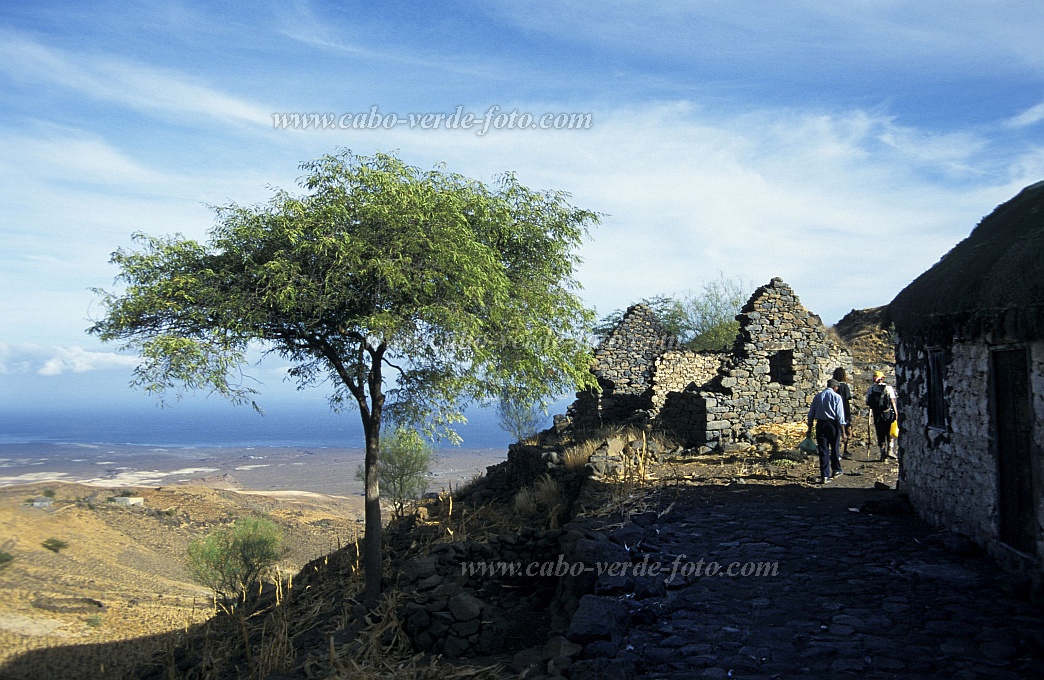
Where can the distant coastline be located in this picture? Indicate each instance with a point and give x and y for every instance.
(329, 471)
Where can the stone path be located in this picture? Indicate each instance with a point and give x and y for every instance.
(854, 595)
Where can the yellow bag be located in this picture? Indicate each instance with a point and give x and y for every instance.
(893, 431)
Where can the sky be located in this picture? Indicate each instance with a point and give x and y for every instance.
(844, 146)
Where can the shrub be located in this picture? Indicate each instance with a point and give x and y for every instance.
(5, 559)
(48, 493)
(403, 467)
(230, 560)
(55, 544)
(94, 621)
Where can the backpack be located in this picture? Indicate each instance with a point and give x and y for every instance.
(880, 402)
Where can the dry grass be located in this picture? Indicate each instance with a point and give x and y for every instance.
(579, 454)
(525, 503)
(131, 561)
(548, 491)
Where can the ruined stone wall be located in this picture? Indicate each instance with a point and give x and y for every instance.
(681, 369)
(781, 359)
(951, 473)
(623, 364)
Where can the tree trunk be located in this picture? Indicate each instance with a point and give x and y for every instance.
(372, 548)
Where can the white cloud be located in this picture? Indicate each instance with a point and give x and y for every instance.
(848, 208)
(136, 85)
(53, 360)
(1030, 116)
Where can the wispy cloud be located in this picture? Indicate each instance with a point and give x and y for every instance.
(1030, 116)
(938, 34)
(159, 90)
(769, 193)
(53, 360)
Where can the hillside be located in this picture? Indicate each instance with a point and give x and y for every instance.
(867, 334)
(122, 575)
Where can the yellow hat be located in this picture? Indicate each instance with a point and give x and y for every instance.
(878, 374)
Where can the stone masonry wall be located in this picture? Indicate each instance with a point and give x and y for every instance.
(623, 365)
(781, 359)
(680, 369)
(950, 473)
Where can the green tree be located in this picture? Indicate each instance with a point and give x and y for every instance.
(55, 544)
(457, 287)
(230, 560)
(707, 319)
(402, 471)
(519, 417)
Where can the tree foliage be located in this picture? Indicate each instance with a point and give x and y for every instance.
(456, 287)
(704, 320)
(708, 318)
(230, 560)
(405, 463)
(519, 417)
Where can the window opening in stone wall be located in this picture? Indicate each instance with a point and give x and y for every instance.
(936, 379)
(781, 367)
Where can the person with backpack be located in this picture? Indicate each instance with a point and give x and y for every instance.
(881, 400)
(845, 392)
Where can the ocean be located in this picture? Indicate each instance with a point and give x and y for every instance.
(300, 447)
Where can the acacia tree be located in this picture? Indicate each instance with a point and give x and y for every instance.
(230, 560)
(708, 318)
(455, 287)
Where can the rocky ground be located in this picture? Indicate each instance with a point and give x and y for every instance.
(857, 588)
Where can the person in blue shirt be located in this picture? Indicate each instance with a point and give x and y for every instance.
(828, 413)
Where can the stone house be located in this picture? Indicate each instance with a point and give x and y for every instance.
(780, 359)
(129, 500)
(42, 502)
(970, 379)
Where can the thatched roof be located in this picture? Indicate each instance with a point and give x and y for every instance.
(990, 283)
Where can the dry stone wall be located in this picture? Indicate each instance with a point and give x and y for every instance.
(624, 363)
(781, 358)
(681, 369)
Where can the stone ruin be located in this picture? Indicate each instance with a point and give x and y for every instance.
(780, 359)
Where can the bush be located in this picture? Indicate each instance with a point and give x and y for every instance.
(403, 467)
(5, 559)
(55, 544)
(230, 560)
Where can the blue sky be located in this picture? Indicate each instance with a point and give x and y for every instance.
(842, 145)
